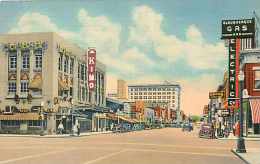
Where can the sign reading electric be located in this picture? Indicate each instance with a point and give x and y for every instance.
(91, 68)
(234, 30)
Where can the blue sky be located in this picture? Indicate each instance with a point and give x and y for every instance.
(141, 41)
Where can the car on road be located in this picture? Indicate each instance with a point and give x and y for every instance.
(206, 131)
(187, 127)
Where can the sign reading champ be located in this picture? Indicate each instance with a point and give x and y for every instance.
(244, 28)
(91, 68)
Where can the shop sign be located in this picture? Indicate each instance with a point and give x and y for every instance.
(243, 28)
(233, 65)
(215, 95)
(91, 68)
(225, 112)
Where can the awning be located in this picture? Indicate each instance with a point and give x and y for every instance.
(63, 85)
(20, 116)
(255, 109)
(36, 83)
(111, 116)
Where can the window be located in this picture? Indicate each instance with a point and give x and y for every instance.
(140, 93)
(82, 72)
(131, 89)
(154, 93)
(25, 60)
(257, 79)
(34, 123)
(159, 97)
(12, 87)
(12, 61)
(38, 59)
(10, 123)
(71, 91)
(60, 62)
(24, 86)
(131, 97)
(66, 64)
(140, 97)
(71, 66)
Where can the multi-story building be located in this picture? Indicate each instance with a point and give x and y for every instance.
(250, 64)
(166, 95)
(121, 89)
(42, 78)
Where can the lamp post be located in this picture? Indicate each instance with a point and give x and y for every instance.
(42, 115)
(241, 142)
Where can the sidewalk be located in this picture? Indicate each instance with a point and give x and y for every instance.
(232, 137)
(250, 157)
(55, 135)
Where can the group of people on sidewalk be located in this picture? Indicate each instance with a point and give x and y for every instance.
(224, 130)
(76, 129)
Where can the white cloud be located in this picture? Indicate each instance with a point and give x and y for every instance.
(147, 30)
(134, 55)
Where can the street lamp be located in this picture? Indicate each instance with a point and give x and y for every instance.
(42, 115)
(241, 142)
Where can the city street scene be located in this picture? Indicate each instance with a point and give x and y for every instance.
(129, 82)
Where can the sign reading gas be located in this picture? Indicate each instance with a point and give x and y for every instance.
(244, 28)
(91, 68)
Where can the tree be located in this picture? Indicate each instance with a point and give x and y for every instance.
(195, 118)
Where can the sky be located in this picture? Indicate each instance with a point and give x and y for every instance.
(141, 41)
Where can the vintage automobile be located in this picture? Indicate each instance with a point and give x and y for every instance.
(206, 131)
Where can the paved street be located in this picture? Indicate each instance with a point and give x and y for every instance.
(150, 146)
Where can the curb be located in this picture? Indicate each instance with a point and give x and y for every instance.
(239, 156)
(55, 136)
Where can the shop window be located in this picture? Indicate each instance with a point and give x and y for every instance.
(34, 123)
(257, 79)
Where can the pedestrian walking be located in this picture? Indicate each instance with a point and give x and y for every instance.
(60, 128)
(78, 129)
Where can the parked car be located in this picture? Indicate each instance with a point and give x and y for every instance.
(187, 127)
(206, 131)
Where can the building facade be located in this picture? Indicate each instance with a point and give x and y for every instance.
(250, 64)
(165, 95)
(42, 79)
(121, 89)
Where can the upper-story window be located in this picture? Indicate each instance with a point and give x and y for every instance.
(60, 62)
(24, 86)
(12, 60)
(66, 64)
(71, 66)
(82, 72)
(38, 59)
(12, 86)
(257, 79)
(25, 59)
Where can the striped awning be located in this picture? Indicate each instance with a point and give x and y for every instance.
(255, 109)
(20, 116)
